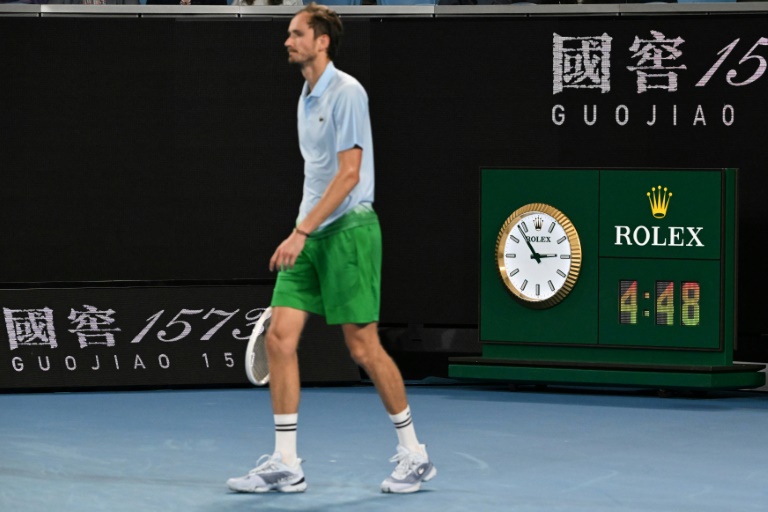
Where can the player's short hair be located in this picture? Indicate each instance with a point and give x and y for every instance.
(325, 21)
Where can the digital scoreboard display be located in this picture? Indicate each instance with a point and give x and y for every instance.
(669, 310)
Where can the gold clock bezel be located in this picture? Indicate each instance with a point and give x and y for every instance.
(573, 239)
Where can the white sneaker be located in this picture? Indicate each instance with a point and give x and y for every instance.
(412, 469)
(270, 474)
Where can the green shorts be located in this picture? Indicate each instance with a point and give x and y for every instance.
(338, 274)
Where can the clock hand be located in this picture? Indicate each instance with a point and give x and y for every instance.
(534, 254)
(547, 255)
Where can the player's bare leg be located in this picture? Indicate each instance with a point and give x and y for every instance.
(281, 471)
(282, 345)
(366, 350)
(413, 464)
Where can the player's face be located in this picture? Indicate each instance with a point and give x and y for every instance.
(301, 43)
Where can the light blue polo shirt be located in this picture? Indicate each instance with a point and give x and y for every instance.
(332, 118)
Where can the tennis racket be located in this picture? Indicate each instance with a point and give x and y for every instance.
(256, 364)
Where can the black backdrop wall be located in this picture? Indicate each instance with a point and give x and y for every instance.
(164, 149)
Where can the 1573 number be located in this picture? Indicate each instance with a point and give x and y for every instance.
(178, 328)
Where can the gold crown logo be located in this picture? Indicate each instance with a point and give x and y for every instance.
(659, 201)
(537, 223)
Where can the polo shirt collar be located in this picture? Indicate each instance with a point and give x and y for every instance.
(322, 84)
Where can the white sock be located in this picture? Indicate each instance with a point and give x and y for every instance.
(285, 437)
(406, 433)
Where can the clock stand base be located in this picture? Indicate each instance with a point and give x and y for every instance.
(735, 376)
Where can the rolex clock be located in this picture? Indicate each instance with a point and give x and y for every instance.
(538, 253)
(608, 277)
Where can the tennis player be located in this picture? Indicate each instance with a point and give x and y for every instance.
(330, 264)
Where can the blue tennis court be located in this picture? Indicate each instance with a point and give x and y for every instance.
(559, 449)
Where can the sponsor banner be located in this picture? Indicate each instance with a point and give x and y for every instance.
(146, 336)
(655, 75)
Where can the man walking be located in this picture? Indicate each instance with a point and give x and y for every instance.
(330, 264)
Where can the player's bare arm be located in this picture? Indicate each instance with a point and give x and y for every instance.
(342, 184)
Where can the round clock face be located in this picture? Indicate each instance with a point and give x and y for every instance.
(539, 255)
